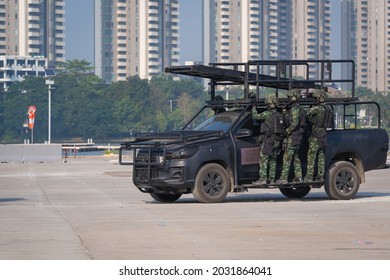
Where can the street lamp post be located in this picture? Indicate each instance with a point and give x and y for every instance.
(49, 83)
(227, 93)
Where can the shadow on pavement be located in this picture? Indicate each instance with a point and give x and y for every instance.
(274, 197)
(11, 199)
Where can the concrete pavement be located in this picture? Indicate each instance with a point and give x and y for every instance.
(88, 208)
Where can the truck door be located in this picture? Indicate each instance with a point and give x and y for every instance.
(247, 149)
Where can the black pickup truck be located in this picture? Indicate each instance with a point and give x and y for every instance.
(217, 151)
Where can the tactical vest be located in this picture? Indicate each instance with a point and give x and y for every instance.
(273, 125)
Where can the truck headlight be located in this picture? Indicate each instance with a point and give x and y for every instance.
(160, 159)
(182, 153)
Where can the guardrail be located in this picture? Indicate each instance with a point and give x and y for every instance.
(24, 153)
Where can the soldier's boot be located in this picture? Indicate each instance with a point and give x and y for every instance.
(283, 177)
(308, 178)
(260, 182)
(298, 180)
(319, 178)
(281, 181)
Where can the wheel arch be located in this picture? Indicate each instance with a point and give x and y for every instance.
(355, 160)
(225, 165)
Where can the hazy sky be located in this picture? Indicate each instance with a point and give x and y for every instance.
(79, 30)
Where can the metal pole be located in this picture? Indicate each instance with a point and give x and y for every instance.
(170, 104)
(49, 83)
(227, 93)
(49, 117)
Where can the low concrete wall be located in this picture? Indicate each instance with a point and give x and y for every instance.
(30, 153)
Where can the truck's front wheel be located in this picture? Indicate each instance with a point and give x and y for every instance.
(343, 181)
(211, 183)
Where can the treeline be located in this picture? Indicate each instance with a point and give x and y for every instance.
(84, 106)
(382, 98)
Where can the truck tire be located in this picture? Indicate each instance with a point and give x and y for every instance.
(212, 183)
(165, 197)
(343, 181)
(295, 192)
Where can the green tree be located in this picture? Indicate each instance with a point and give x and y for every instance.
(382, 98)
(130, 104)
(31, 91)
(84, 106)
(81, 108)
(166, 103)
(75, 66)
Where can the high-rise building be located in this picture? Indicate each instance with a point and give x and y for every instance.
(276, 23)
(33, 28)
(365, 38)
(311, 34)
(239, 30)
(135, 37)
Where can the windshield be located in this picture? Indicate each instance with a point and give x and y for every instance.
(209, 121)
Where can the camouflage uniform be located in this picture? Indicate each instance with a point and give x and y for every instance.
(293, 140)
(270, 146)
(317, 140)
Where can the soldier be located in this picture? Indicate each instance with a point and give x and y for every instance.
(271, 136)
(295, 121)
(320, 117)
(218, 108)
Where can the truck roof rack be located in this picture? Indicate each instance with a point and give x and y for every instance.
(224, 76)
(209, 72)
(276, 74)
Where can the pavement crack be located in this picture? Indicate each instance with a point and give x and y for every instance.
(60, 214)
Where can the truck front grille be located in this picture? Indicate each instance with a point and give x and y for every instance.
(144, 158)
(141, 174)
(147, 161)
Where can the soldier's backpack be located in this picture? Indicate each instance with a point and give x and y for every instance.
(328, 117)
(303, 118)
(277, 123)
(274, 125)
(325, 118)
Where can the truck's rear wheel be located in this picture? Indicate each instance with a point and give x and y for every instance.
(166, 198)
(211, 183)
(343, 181)
(295, 192)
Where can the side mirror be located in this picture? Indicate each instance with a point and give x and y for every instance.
(244, 132)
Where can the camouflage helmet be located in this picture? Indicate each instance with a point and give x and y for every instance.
(272, 100)
(320, 95)
(294, 93)
(218, 98)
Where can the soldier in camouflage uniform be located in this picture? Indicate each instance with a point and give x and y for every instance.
(320, 117)
(271, 136)
(295, 121)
